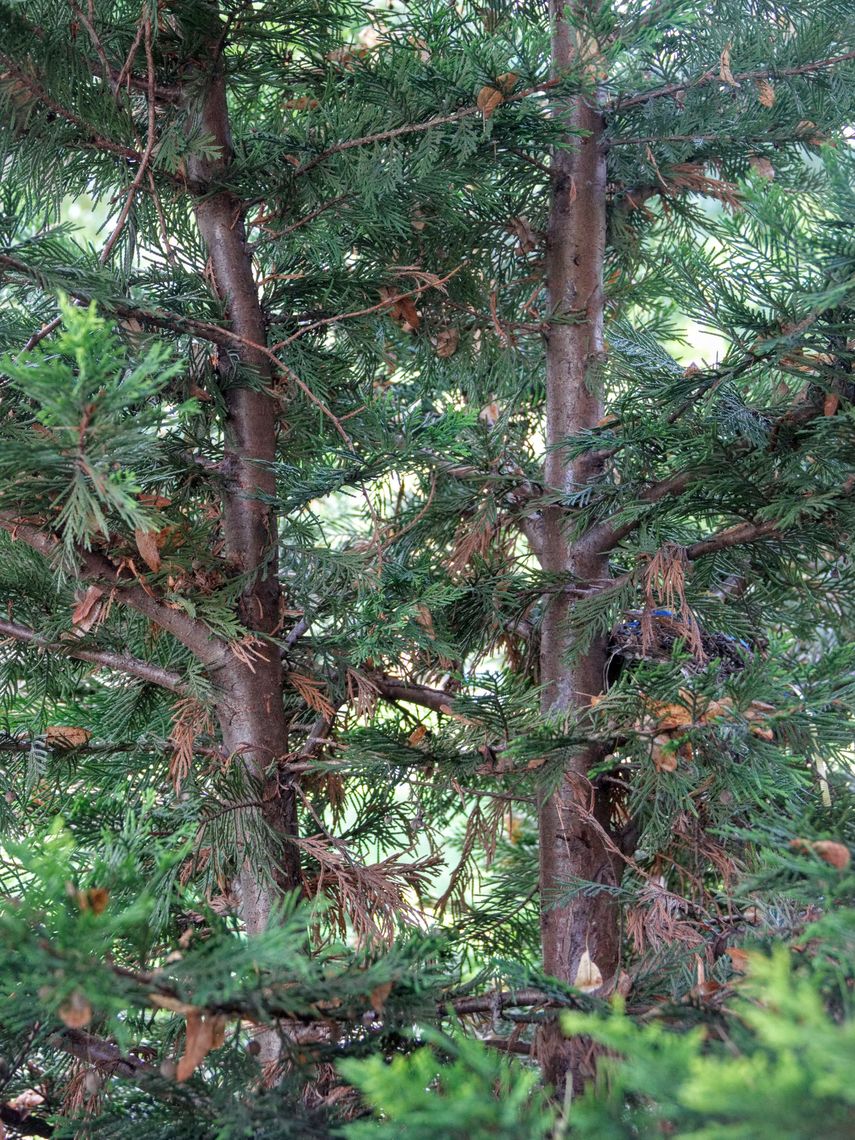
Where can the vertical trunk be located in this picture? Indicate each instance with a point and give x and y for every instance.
(570, 848)
(249, 702)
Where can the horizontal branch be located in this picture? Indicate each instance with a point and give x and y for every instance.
(715, 137)
(412, 693)
(106, 1056)
(149, 317)
(100, 1052)
(741, 534)
(92, 137)
(104, 658)
(212, 651)
(714, 76)
(510, 999)
(605, 536)
(734, 536)
(204, 330)
(416, 128)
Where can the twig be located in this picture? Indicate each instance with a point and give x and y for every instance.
(93, 36)
(384, 304)
(105, 658)
(411, 692)
(712, 76)
(261, 221)
(109, 245)
(416, 128)
(506, 999)
(132, 52)
(168, 251)
(93, 137)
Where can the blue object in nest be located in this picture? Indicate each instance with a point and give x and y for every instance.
(627, 644)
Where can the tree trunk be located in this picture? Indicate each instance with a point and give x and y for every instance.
(571, 847)
(249, 695)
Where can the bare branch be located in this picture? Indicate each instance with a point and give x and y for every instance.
(212, 651)
(416, 128)
(104, 658)
(413, 693)
(712, 76)
(733, 536)
(102, 1053)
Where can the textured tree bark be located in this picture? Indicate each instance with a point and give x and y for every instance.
(571, 848)
(249, 704)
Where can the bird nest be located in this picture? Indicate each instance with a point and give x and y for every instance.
(652, 636)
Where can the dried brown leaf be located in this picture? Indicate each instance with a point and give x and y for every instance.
(401, 309)
(67, 736)
(205, 1032)
(155, 501)
(762, 166)
(87, 610)
(664, 754)
(362, 693)
(446, 343)
(725, 74)
(739, 959)
(379, 995)
(417, 735)
(189, 719)
(692, 176)
(588, 976)
(76, 1012)
(765, 92)
(146, 541)
(808, 127)
(835, 854)
(408, 314)
(312, 690)
(528, 240)
(489, 414)
(93, 899)
(670, 716)
(424, 618)
(488, 99)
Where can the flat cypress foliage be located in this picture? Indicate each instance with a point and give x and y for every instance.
(427, 605)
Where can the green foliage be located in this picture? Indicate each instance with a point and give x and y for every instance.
(776, 1067)
(408, 488)
(453, 1087)
(77, 963)
(88, 408)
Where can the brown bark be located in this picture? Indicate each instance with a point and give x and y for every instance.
(249, 704)
(120, 662)
(571, 848)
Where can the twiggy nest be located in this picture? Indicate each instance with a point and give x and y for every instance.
(652, 637)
